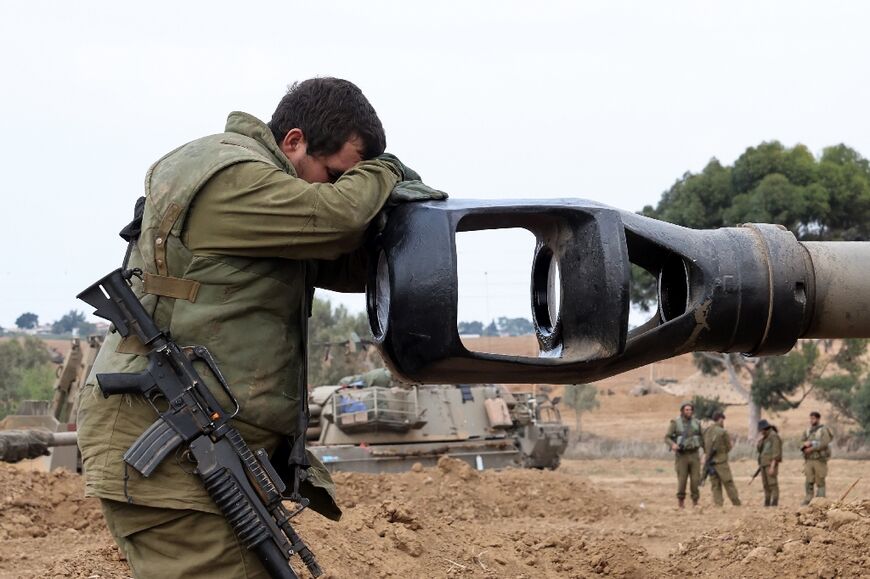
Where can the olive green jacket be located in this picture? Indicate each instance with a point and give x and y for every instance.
(716, 439)
(769, 449)
(820, 436)
(232, 246)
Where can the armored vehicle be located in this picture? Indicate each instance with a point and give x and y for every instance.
(371, 424)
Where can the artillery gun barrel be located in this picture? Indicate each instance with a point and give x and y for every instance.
(842, 280)
(752, 289)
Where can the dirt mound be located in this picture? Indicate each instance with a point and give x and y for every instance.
(32, 504)
(823, 540)
(455, 491)
(455, 521)
(443, 522)
(48, 529)
(89, 562)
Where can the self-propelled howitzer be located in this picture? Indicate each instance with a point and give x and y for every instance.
(754, 289)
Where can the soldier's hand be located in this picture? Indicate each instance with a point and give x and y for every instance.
(407, 173)
(415, 190)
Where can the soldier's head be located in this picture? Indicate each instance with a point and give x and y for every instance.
(325, 126)
(764, 427)
(815, 418)
(687, 410)
(718, 417)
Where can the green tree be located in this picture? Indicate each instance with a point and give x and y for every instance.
(73, 320)
(23, 365)
(706, 407)
(491, 329)
(475, 328)
(580, 398)
(339, 344)
(848, 389)
(515, 326)
(27, 321)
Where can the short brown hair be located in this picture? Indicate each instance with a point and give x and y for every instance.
(329, 111)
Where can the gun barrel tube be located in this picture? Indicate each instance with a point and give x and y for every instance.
(842, 281)
(64, 439)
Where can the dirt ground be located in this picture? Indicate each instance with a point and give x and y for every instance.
(614, 518)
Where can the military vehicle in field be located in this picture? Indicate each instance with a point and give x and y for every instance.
(41, 423)
(370, 423)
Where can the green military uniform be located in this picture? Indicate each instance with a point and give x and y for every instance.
(687, 463)
(770, 454)
(232, 245)
(816, 459)
(718, 444)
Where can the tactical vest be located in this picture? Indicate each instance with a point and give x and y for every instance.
(251, 313)
(815, 434)
(692, 439)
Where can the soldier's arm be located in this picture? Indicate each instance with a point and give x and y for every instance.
(254, 209)
(672, 434)
(777, 449)
(726, 441)
(345, 274)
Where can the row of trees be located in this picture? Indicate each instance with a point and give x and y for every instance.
(502, 326)
(70, 321)
(824, 198)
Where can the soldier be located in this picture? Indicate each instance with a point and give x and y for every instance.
(769, 447)
(717, 445)
(238, 229)
(817, 451)
(684, 439)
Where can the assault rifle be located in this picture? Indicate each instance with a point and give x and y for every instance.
(244, 484)
(755, 474)
(708, 467)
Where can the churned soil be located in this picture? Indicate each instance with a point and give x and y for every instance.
(604, 518)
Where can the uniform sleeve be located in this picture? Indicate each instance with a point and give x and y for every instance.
(726, 441)
(346, 274)
(672, 433)
(777, 449)
(253, 209)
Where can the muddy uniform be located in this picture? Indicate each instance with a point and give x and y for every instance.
(232, 245)
(717, 441)
(816, 460)
(770, 453)
(687, 463)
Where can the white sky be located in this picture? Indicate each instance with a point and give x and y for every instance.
(609, 101)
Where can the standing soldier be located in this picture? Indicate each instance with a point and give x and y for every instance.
(717, 445)
(817, 451)
(769, 456)
(684, 439)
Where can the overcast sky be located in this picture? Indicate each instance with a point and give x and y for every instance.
(610, 101)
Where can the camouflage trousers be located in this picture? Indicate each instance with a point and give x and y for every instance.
(162, 543)
(723, 478)
(688, 467)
